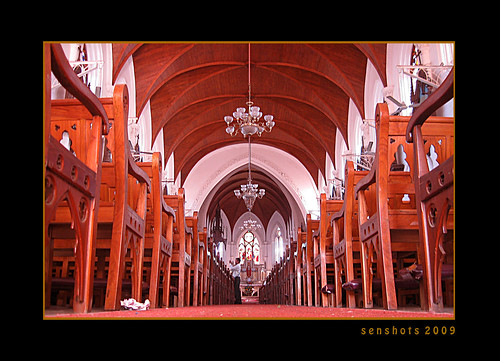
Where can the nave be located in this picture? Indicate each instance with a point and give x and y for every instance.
(113, 230)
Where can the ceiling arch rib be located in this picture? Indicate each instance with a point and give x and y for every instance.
(192, 118)
(217, 167)
(174, 89)
(377, 53)
(206, 112)
(274, 199)
(191, 109)
(293, 138)
(187, 58)
(182, 83)
(321, 59)
(343, 65)
(121, 53)
(152, 65)
(330, 94)
(187, 156)
(349, 65)
(306, 87)
(186, 130)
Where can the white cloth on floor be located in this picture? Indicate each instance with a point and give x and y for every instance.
(132, 304)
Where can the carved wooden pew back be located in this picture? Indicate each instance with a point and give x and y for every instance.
(392, 228)
(299, 256)
(323, 249)
(160, 220)
(308, 260)
(211, 272)
(181, 255)
(203, 268)
(192, 222)
(72, 176)
(290, 273)
(346, 236)
(434, 197)
(124, 189)
(221, 280)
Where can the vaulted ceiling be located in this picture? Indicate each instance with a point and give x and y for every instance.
(274, 199)
(306, 87)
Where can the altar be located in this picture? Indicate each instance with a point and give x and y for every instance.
(252, 276)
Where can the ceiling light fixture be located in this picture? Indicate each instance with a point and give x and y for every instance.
(248, 123)
(250, 225)
(249, 192)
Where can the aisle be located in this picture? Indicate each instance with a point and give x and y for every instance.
(250, 310)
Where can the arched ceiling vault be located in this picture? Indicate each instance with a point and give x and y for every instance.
(306, 87)
(274, 200)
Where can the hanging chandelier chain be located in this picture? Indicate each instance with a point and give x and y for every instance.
(249, 159)
(249, 124)
(249, 82)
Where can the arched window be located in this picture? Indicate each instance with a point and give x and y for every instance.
(278, 245)
(249, 248)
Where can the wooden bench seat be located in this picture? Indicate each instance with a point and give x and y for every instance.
(323, 248)
(72, 176)
(356, 284)
(124, 191)
(346, 236)
(181, 250)
(396, 200)
(435, 199)
(160, 219)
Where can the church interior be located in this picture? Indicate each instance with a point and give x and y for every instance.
(326, 167)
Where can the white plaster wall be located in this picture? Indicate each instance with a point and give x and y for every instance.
(127, 76)
(398, 54)
(374, 94)
(285, 168)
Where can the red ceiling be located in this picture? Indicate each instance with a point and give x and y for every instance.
(307, 87)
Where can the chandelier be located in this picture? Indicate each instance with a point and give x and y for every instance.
(249, 192)
(248, 123)
(250, 225)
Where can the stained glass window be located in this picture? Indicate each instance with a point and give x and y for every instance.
(249, 248)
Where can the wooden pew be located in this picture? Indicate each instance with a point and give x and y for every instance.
(267, 289)
(218, 280)
(160, 220)
(279, 287)
(211, 271)
(276, 282)
(181, 255)
(221, 282)
(290, 272)
(201, 292)
(263, 292)
(393, 226)
(346, 236)
(307, 259)
(124, 189)
(196, 268)
(271, 285)
(282, 279)
(434, 195)
(299, 257)
(323, 248)
(72, 177)
(228, 282)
